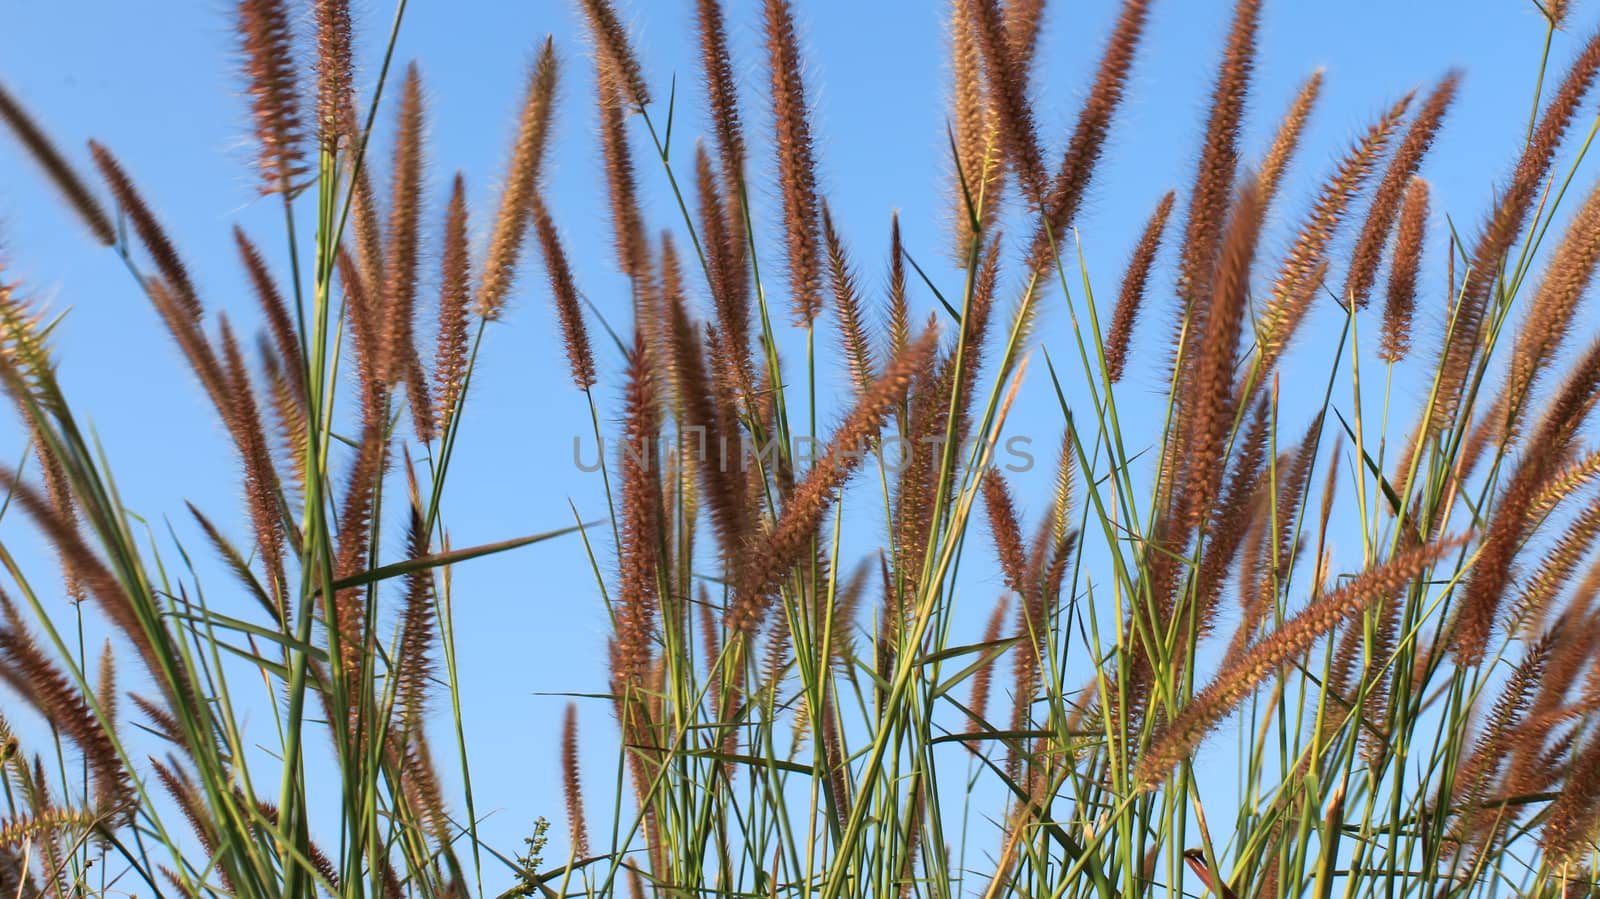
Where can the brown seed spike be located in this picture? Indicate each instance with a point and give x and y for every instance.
(899, 309)
(269, 66)
(261, 485)
(847, 304)
(1208, 395)
(1287, 140)
(1305, 263)
(573, 333)
(280, 323)
(1219, 155)
(367, 225)
(1484, 591)
(1365, 256)
(1126, 314)
(521, 180)
(1007, 80)
(1550, 317)
(288, 410)
(103, 586)
(983, 678)
(1295, 636)
(572, 784)
(1402, 298)
(722, 487)
(191, 340)
(52, 694)
(1006, 531)
(615, 52)
(1569, 830)
(56, 168)
(812, 497)
(1499, 729)
(364, 337)
(721, 91)
(335, 73)
(400, 291)
(1024, 21)
(724, 251)
(638, 460)
(1556, 569)
(1089, 136)
(627, 221)
(455, 297)
(414, 667)
(400, 286)
(1500, 233)
(976, 167)
(59, 490)
(151, 233)
(797, 176)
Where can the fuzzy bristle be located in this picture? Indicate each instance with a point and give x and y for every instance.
(1367, 253)
(1299, 271)
(1005, 530)
(1401, 302)
(402, 362)
(269, 66)
(1007, 80)
(1219, 154)
(782, 547)
(1134, 282)
(455, 298)
(574, 334)
(847, 305)
(1295, 636)
(1089, 135)
(571, 784)
(521, 182)
(627, 218)
(797, 174)
(335, 68)
(616, 53)
(56, 168)
(150, 232)
(280, 322)
(260, 478)
(1500, 233)
(1287, 140)
(721, 92)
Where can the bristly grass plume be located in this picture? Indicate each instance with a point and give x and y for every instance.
(1278, 633)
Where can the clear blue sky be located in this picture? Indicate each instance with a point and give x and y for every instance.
(157, 83)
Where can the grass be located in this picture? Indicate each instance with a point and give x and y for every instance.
(797, 716)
